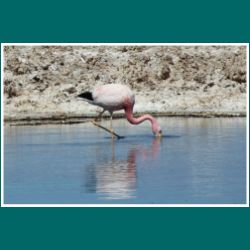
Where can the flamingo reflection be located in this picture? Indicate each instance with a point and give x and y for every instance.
(116, 179)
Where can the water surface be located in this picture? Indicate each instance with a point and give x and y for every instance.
(198, 161)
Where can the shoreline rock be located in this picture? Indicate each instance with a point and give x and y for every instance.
(73, 119)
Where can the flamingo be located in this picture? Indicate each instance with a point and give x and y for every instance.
(114, 97)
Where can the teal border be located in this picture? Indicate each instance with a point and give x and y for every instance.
(130, 21)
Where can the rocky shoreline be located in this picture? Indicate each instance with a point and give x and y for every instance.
(41, 82)
(67, 119)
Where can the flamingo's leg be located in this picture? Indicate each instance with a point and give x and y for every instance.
(111, 120)
(108, 130)
(111, 131)
(111, 123)
(99, 117)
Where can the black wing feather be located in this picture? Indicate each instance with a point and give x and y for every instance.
(86, 95)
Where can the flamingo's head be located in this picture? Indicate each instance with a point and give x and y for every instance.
(156, 129)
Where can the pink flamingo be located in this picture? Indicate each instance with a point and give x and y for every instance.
(113, 97)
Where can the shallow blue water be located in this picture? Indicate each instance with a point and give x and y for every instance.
(198, 161)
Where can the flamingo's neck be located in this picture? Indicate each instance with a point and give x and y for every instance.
(130, 117)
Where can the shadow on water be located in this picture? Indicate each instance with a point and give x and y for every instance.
(145, 136)
(127, 139)
(115, 178)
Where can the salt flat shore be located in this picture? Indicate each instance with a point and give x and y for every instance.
(41, 82)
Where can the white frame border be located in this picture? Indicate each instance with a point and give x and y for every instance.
(124, 205)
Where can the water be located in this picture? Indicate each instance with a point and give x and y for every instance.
(198, 161)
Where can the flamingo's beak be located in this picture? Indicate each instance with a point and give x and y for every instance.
(159, 134)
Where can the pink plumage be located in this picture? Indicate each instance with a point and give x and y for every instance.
(113, 97)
